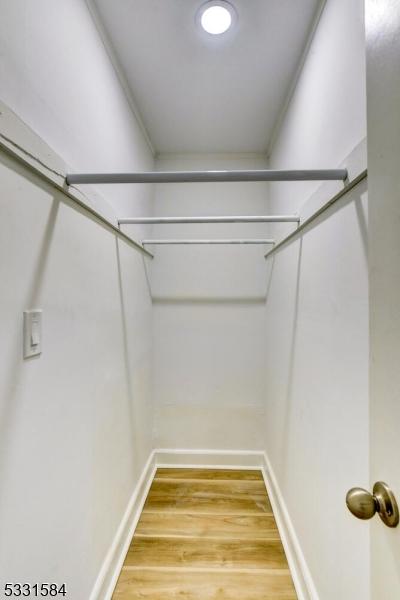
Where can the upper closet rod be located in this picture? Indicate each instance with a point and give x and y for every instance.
(208, 176)
(229, 219)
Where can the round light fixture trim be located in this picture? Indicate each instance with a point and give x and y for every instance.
(216, 16)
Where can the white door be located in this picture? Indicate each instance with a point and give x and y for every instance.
(383, 97)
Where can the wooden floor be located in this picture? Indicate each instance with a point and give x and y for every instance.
(206, 535)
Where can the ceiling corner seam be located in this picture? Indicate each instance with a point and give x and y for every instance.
(111, 53)
(293, 85)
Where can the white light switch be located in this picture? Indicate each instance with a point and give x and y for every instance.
(32, 333)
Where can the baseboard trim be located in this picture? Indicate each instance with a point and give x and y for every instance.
(301, 575)
(213, 459)
(112, 565)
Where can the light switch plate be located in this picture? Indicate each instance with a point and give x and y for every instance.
(32, 333)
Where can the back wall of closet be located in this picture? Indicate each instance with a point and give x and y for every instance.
(209, 346)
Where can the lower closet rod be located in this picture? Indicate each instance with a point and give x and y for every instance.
(229, 219)
(196, 242)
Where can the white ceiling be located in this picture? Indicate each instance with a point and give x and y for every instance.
(202, 93)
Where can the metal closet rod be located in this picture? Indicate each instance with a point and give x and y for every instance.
(51, 177)
(208, 176)
(228, 219)
(198, 242)
(363, 175)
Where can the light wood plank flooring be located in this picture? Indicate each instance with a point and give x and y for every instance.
(206, 535)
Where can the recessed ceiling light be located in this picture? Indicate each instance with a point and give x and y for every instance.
(216, 16)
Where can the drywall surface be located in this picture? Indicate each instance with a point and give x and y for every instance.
(316, 433)
(383, 99)
(209, 346)
(56, 76)
(75, 422)
(326, 116)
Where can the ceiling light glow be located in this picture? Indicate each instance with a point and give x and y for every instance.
(216, 17)
(216, 20)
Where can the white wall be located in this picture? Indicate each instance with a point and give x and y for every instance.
(75, 423)
(209, 346)
(55, 73)
(231, 372)
(316, 433)
(326, 117)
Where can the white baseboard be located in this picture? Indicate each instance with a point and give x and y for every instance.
(112, 565)
(301, 575)
(214, 459)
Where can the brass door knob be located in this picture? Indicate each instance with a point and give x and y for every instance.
(364, 505)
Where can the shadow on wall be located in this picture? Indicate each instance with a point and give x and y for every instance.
(362, 222)
(292, 356)
(190, 300)
(293, 351)
(201, 296)
(270, 276)
(33, 297)
(31, 300)
(135, 423)
(147, 277)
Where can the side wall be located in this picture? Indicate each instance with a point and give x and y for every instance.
(57, 76)
(76, 422)
(209, 348)
(316, 433)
